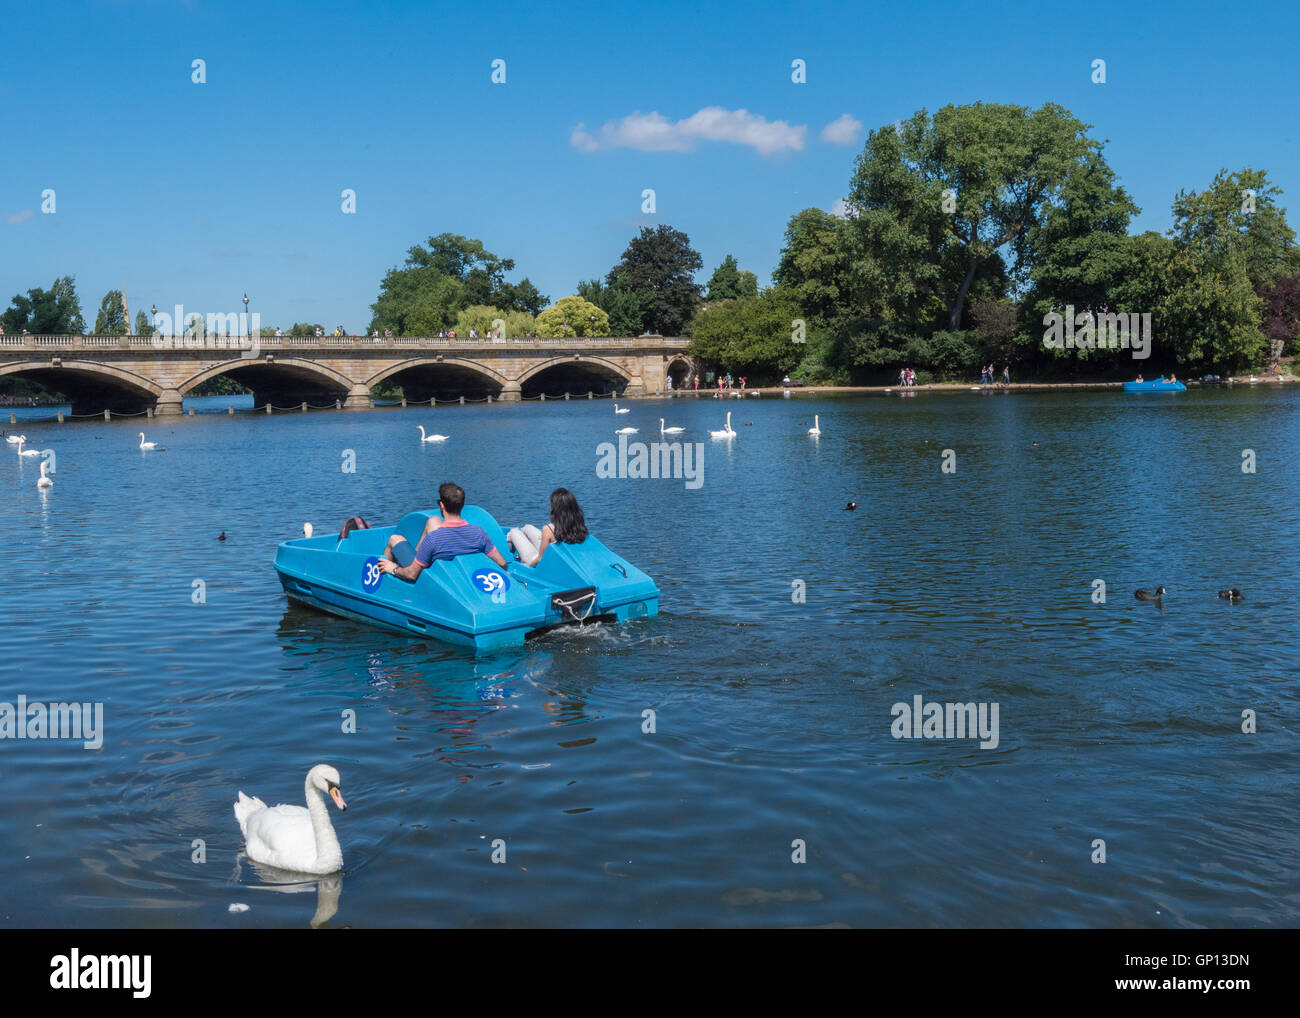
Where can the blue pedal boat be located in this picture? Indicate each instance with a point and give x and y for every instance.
(1155, 385)
(469, 600)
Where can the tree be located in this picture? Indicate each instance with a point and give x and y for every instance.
(304, 329)
(619, 302)
(995, 325)
(111, 321)
(812, 265)
(1238, 213)
(658, 267)
(728, 282)
(941, 200)
(573, 316)
(143, 327)
(439, 280)
(748, 334)
(482, 319)
(56, 311)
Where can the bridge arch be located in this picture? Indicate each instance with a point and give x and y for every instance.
(442, 377)
(89, 385)
(585, 373)
(293, 371)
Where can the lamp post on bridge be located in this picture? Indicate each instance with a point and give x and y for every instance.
(248, 321)
(153, 319)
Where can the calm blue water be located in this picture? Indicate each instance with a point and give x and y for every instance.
(1119, 721)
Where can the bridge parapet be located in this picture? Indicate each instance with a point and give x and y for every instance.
(77, 342)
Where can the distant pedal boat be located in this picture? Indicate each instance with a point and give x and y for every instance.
(1156, 385)
(469, 600)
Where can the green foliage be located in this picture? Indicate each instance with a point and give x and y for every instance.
(143, 327)
(219, 385)
(482, 318)
(111, 320)
(303, 329)
(658, 266)
(56, 311)
(728, 282)
(573, 316)
(752, 335)
(437, 282)
(1218, 223)
(622, 305)
(813, 266)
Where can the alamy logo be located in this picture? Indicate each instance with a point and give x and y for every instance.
(921, 720)
(102, 972)
(1108, 330)
(83, 721)
(678, 460)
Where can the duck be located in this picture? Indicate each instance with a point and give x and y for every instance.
(221, 536)
(625, 431)
(725, 432)
(816, 429)
(851, 507)
(623, 411)
(147, 445)
(44, 482)
(668, 431)
(1146, 595)
(294, 838)
(1232, 594)
(431, 438)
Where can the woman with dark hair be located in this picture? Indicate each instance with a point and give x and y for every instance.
(567, 526)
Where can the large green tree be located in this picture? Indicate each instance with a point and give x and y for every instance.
(1238, 214)
(56, 311)
(659, 266)
(936, 202)
(753, 335)
(441, 278)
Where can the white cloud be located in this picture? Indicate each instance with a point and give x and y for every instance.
(653, 132)
(843, 130)
(14, 218)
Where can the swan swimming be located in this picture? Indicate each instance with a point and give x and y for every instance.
(625, 431)
(27, 452)
(816, 429)
(147, 445)
(15, 439)
(668, 431)
(44, 482)
(291, 837)
(618, 411)
(306, 530)
(430, 438)
(726, 432)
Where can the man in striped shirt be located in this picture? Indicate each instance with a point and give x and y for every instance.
(443, 538)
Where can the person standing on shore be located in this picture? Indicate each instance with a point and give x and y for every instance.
(1006, 374)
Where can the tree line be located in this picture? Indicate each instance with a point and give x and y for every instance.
(961, 235)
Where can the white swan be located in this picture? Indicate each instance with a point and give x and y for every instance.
(44, 482)
(668, 431)
(816, 429)
(290, 837)
(27, 452)
(618, 411)
(15, 439)
(726, 432)
(430, 438)
(306, 530)
(625, 431)
(147, 445)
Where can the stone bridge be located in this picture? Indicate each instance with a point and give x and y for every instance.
(128, 374)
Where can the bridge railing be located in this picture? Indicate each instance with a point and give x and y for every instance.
(10, 342)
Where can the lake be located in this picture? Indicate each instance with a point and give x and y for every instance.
(789, 629)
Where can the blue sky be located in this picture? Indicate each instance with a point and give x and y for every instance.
(197, 193)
